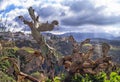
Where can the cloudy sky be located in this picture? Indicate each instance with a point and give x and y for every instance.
(96, 16)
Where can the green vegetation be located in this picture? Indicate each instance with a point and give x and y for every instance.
(10, 52)
(15, 48)
(115, 48)
(101, 77)
(5, 78)
(28, 49)
(87, 45)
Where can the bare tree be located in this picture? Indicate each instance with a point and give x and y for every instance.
(36, 29)
(50, 54)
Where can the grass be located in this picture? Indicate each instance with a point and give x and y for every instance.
(87, 45)
(28, 49)
(115, 48)
(5, 78)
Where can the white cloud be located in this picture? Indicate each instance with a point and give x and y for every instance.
(3, 4)
(62, 11)
(24, 3)
(14, 13)
(112, 7)
(112, 30)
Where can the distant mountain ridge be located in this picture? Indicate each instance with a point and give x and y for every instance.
(82, 36)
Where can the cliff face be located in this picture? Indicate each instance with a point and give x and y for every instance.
(26, 43)
(64, 47)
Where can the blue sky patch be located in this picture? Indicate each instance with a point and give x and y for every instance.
(11, 7)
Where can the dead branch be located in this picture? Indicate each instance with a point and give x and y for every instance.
(17, 70)
(105, 49)
(29, 77)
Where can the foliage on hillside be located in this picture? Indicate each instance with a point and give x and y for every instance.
(5, 78)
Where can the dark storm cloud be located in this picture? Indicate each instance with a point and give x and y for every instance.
(91, 14)
(94, 19)
(77, 6)
(102, 20)
(62, 14)
(1, 11)
(26, 28)
(46, 11)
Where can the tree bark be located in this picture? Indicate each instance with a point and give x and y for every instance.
(29, 77)
(45, 49)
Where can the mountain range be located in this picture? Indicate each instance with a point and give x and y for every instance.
(82, 36)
